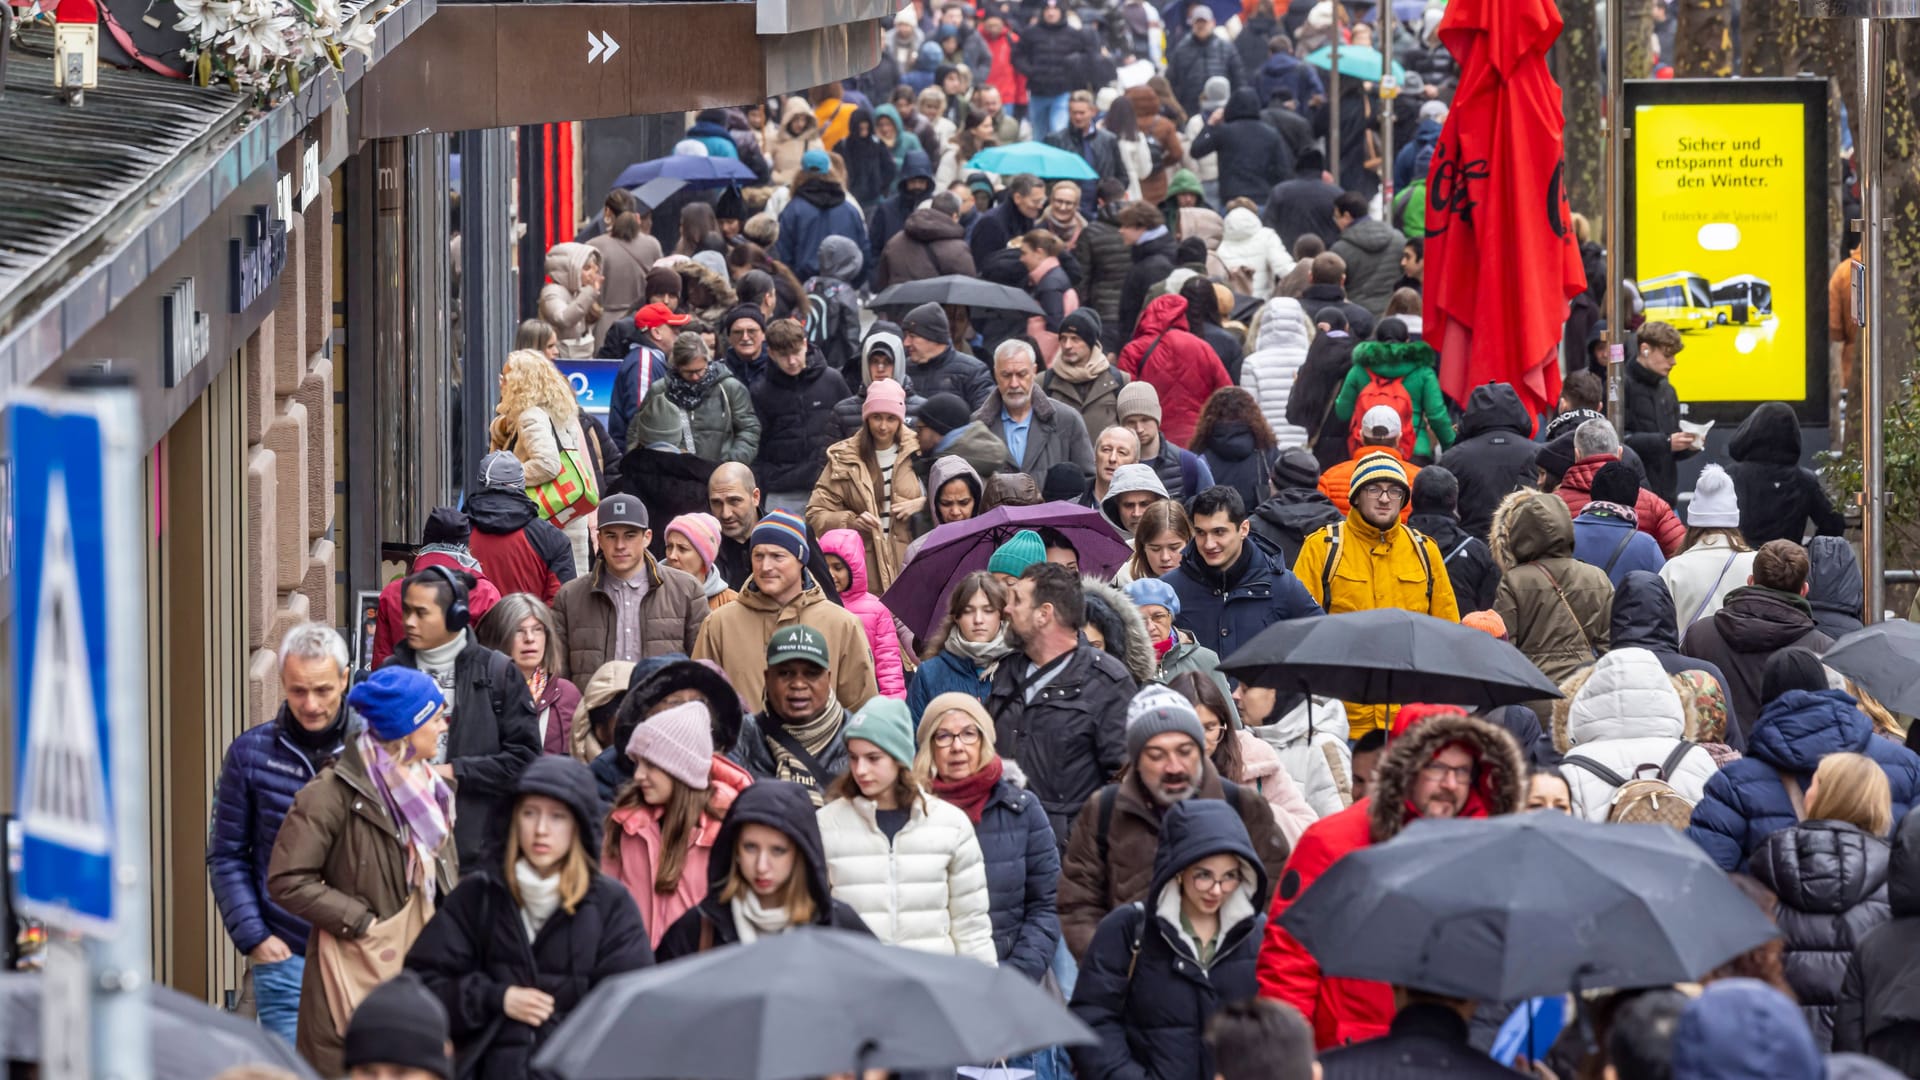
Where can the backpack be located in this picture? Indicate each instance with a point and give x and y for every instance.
(1643, 800)
(1333, 562)
(1393, 394)
(819, 316)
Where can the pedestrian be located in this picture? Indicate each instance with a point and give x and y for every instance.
(1303, 206)
(1240, 756)
(1403, 377)
(1183, 370)
(1767, 614)
(522, 628)
(1012, 489)
(934, 365)
(1556, 607)
(1229, 588)
(1371, 250)
(1098, 146)
(443, 543)
(538, 418)
(733, 497)
(1836, 589)
(1259, 1039)
(1779, 499)
(963, 654)
(1429, 1034)
(1744, 1029)
(594, 722)
(1643, 619)
(1470, 567)
(515, 549)
(631, 606)
(1144, 230)
(1714, 558)
(870, 485)
(692, 546)
(1115, 448)
(1606, 532)
(799, 736)
(1494, 455)
(1174, 650)
(627, 252)
(1114, 623)
(1297, 508)
(1049, 285)
(263, 771)
(641, 345)
(1627, 715)
(401, 1034)
(794, 401)
(1326, 288)
(1875, 992)
(1595, 446)
(819, 209)
(1381, 434)
(882, 357)
(957, 493)
(1053, 56)
(699, 408)
(869, 162)
(1310, 735)
(1014, 216)
(1269, 372)
(363, 853)
(930, 242)
(1183, 473)
(1080, 376)
(1157, 970)
(1317, 383)
(1039, 432)
(1549, 789)
(651, 687)
(1705, 704)
(1371, 559)
(1652, 410)
(570, 299)
(797, 133)
(847, 562)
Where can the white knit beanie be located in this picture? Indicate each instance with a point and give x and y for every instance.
(1713, 505)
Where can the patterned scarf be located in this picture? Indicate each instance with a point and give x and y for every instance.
(420, 802)
(814, 737)
(689, 395)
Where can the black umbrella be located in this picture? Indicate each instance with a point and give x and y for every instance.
(1526, 905)
(809, 1002)
(956, 290)
(1882, 659)
(1389, 657)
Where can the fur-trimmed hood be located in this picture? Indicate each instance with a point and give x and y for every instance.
(1529, 526)
(1138, 655)
(1499, 784)
(717, 286)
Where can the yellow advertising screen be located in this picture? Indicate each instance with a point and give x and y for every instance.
(1720, 244)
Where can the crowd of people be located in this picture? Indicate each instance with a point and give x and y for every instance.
(644, 693)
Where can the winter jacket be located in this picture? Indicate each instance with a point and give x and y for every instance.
(887, 217)
(1099, 148)
(1023, 872)
(819, 209)
(587, 619)
(1701, 577)
(1311, 739)
(1142, 987)
(1469, 561)
(1343, 1010)
(1097, 400)
(1183, 473)
(1003, 76)
(850, 485)
(1376, 570)
(1280, 350)
(942, 673)
(1372, 250)
(1261, 770)
(1426, 135)
(1192, 62)
(518, 552)
(629, 387)
(1749, 628)
(953, 373)
(993, 229)
(1831, 879)
(1643, 619)
(722, 427)
(874, 616)
(1223, 610)
(736, 636)
(1652, 411)
(1556, 608)
(625, 264)
(1055, 434)
(264, 769)
(339, 864)
(1250, 246)
(847, 418)
(929, 244)
(1185, 371)
(1160, 130)
(1253, 156)
(476, 946)
(1283, 74)
(784, 149)
(1835, 589)
(1282, 524)
(634, 850)
(1054, 58)
(1315, 385)
(1423, 1039)
(1302, 205)
(1652, 514)
(1876, 1013)
(925, 888)
(1416, 365)
(1071, 738)
(777, 805)
(1105, 868)
(390, 629)
(1238, 462)
(1627, 715)
(1317, 298)
(1745, 802)
(1153, 260)
(1778, 499)
(796, 425)
(1494, 454)
(1603, 538)
(553, 715)
(1105, 260)
(568, 304)
(833, 307)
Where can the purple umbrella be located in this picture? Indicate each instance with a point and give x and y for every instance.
(918, 597)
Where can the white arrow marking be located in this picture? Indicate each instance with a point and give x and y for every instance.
(593, 47)
(612, 47)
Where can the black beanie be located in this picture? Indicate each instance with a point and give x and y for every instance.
(928, 321)
(1084, 323)
(942, 413)
(1065, 482)
(1191, 252)
(1616, 483)
(400, 1023)
(1792, 669)
(738, 312)
(1435, 491)
(1556, 457)
(445, 525)
(1295, 467)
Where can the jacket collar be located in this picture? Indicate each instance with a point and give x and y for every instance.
(600, 574)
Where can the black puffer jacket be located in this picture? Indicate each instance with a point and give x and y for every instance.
(1835, 589)
(1283, 523)
(1752, 625)
(1104, 260)
(1643, 618)
(1071, 739)
(1879, 1008)
(1470, 566)
(1237, 461)
(796, 424)
(1253, 156)
(1099, 148)
(1494, 454)
(950, 373)
(1314, 387)
(1652, 411)
(1153, 260)
(1831, 879)
(1192, 62)
(1054, 58)
(1778, 498)
(475, 947)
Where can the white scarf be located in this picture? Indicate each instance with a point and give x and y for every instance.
(751, 920)
(539, 896)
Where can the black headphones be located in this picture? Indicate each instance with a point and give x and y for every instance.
(457, 616)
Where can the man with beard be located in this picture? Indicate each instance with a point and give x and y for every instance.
(1117, 833)
(1439, 763)
(800, 737)
(1039, 433)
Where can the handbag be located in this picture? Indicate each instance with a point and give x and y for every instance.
(571, 493)
(1565, 603)
(351, 968)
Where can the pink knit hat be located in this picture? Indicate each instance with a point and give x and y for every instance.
(700, 530)
(885, 396)
(678, 742)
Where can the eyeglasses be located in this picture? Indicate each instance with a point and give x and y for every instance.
(1436, 771)
(969, 737)
(1204, 880)
(1383, 493)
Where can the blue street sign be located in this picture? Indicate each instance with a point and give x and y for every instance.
(62, 684)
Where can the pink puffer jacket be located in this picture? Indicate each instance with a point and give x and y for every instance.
(888, 670)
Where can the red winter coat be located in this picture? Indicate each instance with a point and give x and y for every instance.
(1183, 369)
(1655, 517)
(1011, 84)
(391, 627)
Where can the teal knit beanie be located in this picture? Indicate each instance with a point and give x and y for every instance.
(885, 723)
(1013, 557)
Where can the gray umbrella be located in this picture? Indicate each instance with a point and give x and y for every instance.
(956, 290)
(1882, 659)
(808, 1002)
(191, 1039)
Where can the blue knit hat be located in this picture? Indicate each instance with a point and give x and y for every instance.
(1013, 557)
(887, 724)
(395, 701)
(1144, 591)
(783, 530)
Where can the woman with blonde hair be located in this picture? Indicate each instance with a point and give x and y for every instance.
(1158, 541)
(538, 418)
(530, 932)
(1830, 874)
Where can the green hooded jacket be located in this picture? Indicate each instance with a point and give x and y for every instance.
(1414, 363)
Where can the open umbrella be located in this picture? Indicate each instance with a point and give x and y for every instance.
(658, 190)
(809, 1002)
(918, 597)
(1043, 161)
(1882, 659)
(1389, 657)
(696, 171)
(956, 290)
(1356, 62)
(1525, 905)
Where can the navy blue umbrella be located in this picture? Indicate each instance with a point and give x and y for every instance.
(697, 171)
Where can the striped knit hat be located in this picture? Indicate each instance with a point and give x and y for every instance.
(1378, 467)
(783, 530)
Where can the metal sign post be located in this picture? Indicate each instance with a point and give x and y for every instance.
(79, 685)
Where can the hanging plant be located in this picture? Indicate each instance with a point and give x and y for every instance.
(257, 46)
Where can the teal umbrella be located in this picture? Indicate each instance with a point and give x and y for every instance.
(1356, 62)
(1043, 161)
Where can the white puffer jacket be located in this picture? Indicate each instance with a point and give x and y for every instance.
(1279, 348)
(1316, 755)
(1627, 716)
(926, 890)
(1701, 577)
(1246, 242)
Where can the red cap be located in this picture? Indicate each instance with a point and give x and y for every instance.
(657, 315)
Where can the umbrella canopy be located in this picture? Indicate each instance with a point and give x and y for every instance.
(696, 171)
(1526, 905)
(809, 1002)
(191, 1039)
(956, 290)
(1496, 167)
(1356, 62)
(1389, 657)
(1881, 659)
(1043, 161)
(918, 597)
(658, 190)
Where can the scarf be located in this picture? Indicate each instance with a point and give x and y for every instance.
(1068, 231)
(1164, 646)
(1094, 366)
(689, 395)
(1614, 510)
(984, 655)
(539, 896)
(971, 794)
(752, 921)
(418, 799)
(814, 737)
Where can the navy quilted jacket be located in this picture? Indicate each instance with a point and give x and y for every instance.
(1023, 871)
(264, 770)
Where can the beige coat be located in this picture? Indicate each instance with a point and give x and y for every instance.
(736, 636)
(566, 304)
(536, 437)
(850, 485)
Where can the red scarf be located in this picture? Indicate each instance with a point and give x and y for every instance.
(970, 794)
(1164, 646)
